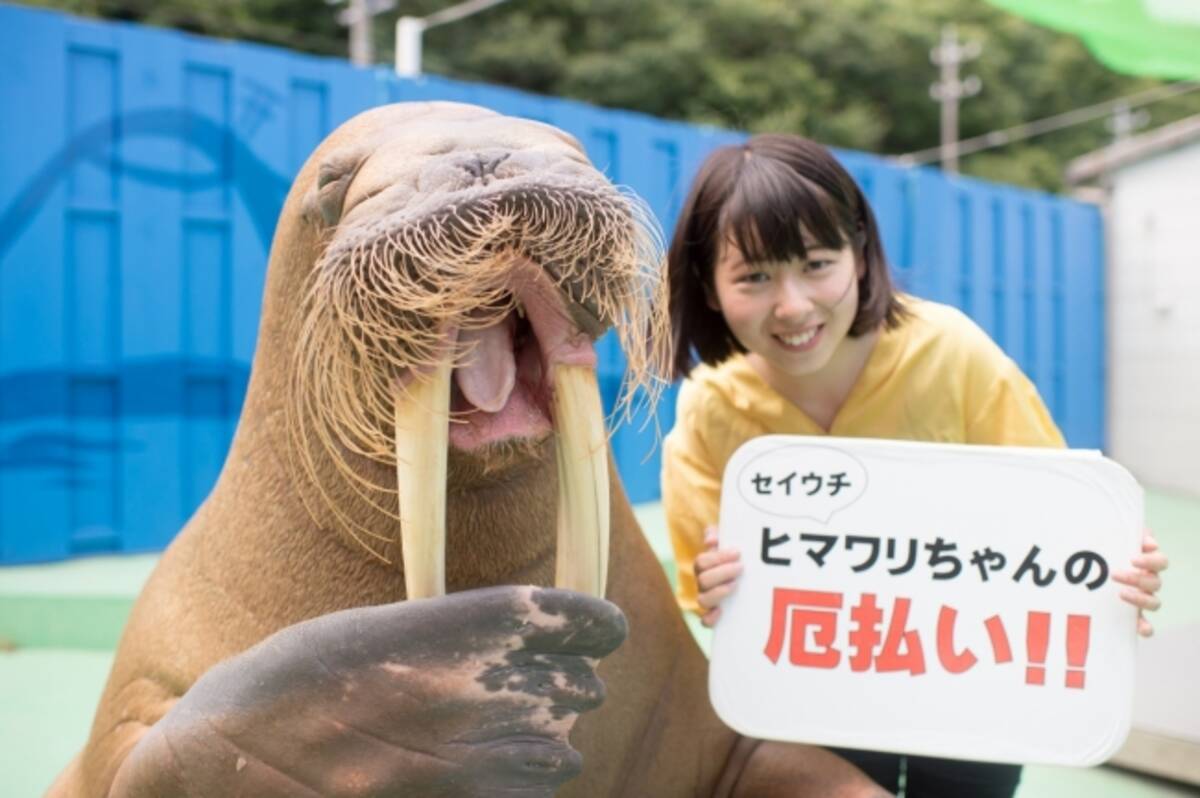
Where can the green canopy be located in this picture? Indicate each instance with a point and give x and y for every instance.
(1156, 38)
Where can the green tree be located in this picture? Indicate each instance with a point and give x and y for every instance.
(854, 73)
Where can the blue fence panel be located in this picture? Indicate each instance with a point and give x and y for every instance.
(138, 199)
(1081, 337)
(976, 250)
(32, 330)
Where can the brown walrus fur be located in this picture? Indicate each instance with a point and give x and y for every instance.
(299, 525)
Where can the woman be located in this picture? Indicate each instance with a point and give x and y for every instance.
(780, 288)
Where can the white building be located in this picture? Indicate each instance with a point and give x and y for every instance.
(1150, 188)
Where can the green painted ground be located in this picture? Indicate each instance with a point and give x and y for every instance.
(59, 622)
(47, 697)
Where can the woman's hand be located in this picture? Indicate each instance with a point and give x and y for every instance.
(716, 571)
(1143, 581)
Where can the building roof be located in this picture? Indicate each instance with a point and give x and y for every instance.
(1138, 148)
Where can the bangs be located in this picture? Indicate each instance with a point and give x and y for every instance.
(775, 215)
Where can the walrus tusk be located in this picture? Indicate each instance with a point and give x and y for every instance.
(582, 559)
(422, 432)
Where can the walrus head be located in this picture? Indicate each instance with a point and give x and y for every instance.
(466, 263)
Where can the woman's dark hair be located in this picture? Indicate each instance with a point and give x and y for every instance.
(764, 196)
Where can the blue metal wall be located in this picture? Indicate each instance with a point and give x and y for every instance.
(141, 173)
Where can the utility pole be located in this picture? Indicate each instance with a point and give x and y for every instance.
(362, 53)
(950, 89)
(1124, 122)
(358, 17)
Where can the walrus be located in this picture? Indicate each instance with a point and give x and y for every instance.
(418, 568)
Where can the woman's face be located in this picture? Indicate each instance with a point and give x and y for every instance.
(795, 314)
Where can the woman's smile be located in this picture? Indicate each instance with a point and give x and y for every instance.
(802, 341)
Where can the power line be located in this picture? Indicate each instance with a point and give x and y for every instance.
(1026, 130)
(461, 11)
(410, 30)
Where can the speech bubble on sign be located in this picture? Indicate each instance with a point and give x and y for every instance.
(802, 482)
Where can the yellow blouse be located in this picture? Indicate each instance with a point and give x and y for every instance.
(937, 377)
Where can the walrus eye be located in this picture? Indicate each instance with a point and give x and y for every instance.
(334, 176)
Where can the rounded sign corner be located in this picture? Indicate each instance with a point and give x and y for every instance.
(1112, 743)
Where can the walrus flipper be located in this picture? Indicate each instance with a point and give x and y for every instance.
(459, 696)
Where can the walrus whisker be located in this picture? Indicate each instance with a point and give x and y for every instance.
(344, 520)
(329, 443)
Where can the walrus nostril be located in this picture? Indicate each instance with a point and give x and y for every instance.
(482, 167)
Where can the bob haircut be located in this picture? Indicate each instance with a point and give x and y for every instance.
(765, 196)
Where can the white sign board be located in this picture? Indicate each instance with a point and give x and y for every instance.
(934, 599)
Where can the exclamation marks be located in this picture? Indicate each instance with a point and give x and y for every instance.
(1078, 633)
(1037, 640)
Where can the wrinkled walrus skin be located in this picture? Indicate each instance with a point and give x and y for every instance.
(271, 654)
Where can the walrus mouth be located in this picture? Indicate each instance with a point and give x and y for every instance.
(528, 373)
(502, 384)
(472, 327)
